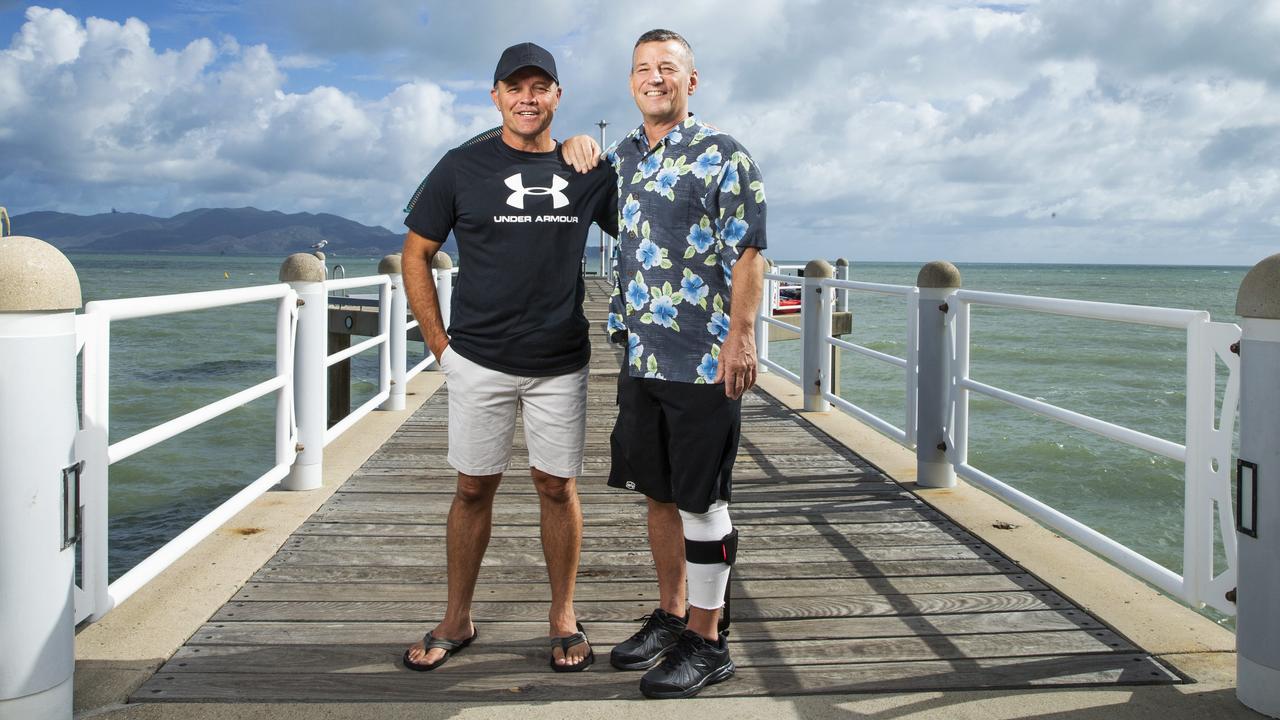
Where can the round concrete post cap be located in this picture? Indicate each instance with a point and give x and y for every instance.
(818, 268)
(841, 262)
(389, 265)
(938, 274)
(1259, 295)
(36, 277)
(441, 261)
(302, 267)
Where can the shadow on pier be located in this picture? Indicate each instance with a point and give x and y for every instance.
(845, 583)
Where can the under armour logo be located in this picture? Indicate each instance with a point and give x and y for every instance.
(631, 485)
(558, 199)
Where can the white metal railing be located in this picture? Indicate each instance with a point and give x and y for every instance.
(1206, 454)
(94, 596)
(907, 433)
(382, 341)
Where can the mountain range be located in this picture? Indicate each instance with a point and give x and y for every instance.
(208, 231)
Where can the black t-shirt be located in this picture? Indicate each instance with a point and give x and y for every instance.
(521, 221)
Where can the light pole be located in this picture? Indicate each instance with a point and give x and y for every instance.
(602, 125)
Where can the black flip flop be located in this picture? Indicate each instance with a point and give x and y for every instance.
(574, 640)
(449, 646)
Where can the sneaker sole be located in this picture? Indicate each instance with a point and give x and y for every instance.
(720, 675)
(639, 664)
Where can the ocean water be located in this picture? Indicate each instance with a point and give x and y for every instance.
(1127, 374)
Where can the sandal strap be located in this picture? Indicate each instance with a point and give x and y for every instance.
(430, 641)
(570, 641)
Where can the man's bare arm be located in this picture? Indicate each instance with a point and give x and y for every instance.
(420, 289)
(582, 152)
(737, 365)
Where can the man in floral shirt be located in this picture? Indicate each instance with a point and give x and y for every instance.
(688, 276)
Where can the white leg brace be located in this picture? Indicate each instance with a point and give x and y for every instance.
(707, 582)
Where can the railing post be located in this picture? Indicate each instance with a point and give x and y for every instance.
(935, 281)
(390, 265)
(815, 324)
(1258, 491)
(306, 273)
(842, 273)
(39, 480)
(766, 310)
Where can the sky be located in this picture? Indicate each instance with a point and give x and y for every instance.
(1101, 131)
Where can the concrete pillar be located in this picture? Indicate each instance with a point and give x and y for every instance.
(1258, 485)
(390, 265)
(306, 274)
(936, 281)
(815, 324)
(39, 293)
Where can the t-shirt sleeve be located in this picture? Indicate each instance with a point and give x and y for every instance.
(738, 204)
(432, 213)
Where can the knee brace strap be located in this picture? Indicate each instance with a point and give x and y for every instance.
(712, 552)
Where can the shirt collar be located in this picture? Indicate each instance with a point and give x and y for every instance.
(676, 136)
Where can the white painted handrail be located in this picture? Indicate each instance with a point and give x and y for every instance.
(1205, 455)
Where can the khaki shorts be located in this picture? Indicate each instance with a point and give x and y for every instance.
(482, 418)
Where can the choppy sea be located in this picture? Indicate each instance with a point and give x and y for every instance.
(1127, 374)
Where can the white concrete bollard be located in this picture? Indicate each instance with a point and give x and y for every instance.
(442, 267)
(306, 274)
(936, 281)
(1258, 491)
(815, 324)
(390, 265)
(39, 503)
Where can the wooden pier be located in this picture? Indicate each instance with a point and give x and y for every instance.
(845, 583)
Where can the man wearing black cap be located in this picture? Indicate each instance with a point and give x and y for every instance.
(517, 337)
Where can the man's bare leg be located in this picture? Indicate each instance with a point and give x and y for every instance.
(561, 546)
(666, 542)
(470, 520)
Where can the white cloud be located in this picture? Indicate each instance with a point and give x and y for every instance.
(913, 130)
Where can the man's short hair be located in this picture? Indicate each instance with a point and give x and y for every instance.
(660, 35)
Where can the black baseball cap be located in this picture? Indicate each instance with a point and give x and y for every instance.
(522, 56)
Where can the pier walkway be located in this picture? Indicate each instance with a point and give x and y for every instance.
(845, 583)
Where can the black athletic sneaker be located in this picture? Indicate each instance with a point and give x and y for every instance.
(693, 664)
(660, 632)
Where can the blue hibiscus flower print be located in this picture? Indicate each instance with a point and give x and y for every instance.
(693, 290)
(634, 350)
(708, 163)
(648, 254)
(615, 322)
(730, 178)
(675, 136)
(664, 311)
(637, 295)
(700, 237)
(707, 370)
(734, 231)
(650, 165)
(631, 214)
(665, 181)
(719, 326)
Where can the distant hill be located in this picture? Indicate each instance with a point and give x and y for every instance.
(231, 231)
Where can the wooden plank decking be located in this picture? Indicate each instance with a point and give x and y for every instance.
(844, 583)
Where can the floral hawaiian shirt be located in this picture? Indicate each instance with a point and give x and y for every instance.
(685, 210)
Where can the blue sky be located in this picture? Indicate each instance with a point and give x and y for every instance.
(1047, 131)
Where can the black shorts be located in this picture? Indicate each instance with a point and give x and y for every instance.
(675, 442)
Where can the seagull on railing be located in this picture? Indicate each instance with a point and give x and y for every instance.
(320, 245)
